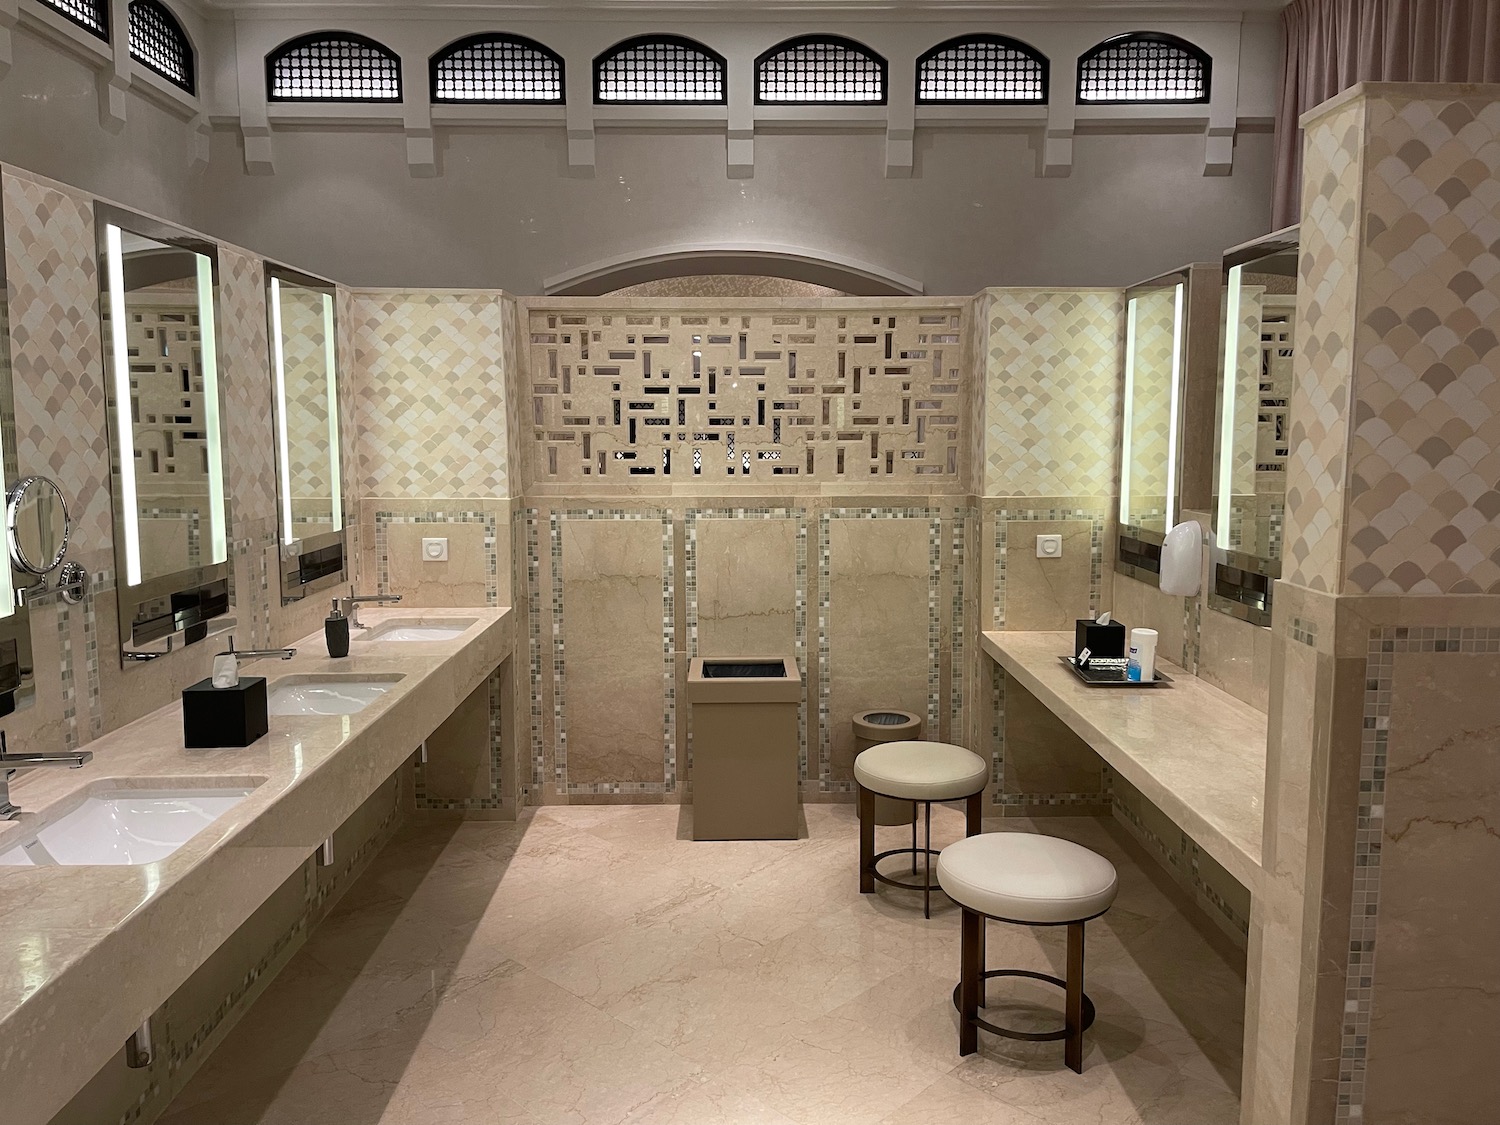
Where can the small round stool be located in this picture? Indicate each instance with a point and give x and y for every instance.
(1028, 880)
(923, 772)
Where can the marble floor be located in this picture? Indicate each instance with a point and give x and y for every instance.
(592, 965)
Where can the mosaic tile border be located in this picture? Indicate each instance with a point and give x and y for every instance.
(490, 522)
(1369, 832)
(496, 797)
(964, 522)
(1004, 516)
(999, 799)
(799, 628)
(531, 517)
(934, 624)
(668, 785)
(1305, 632)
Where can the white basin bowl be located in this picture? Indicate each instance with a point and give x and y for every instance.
(417, 631)
(124, 826)
(294, 696)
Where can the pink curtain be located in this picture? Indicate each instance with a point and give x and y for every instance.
(1332, 44)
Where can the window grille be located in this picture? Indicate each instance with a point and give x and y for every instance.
(982, 69)
(660, 69)
(158, 43)
(91, 15)
(497, 68)
(1143, 66)
(820, 70)
(333, 66)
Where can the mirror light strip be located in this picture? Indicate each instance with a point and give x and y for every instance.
(124, 425)
(283, 452)
(1125, 450)
(330, 364)
(1228, 392)
(1172, 468)
(207, 327)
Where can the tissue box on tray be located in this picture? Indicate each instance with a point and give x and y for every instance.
(214, 717)
(1104, 642)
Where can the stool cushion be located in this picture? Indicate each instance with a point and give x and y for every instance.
(921, 771)
(1026, 877)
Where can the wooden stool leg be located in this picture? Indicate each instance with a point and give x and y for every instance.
(971, 978)
(974, 815)
(866, 840)
(983, 961)
(1074, 1016)
(927, 867)
(913, 837)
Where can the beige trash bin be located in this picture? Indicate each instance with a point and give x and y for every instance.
(885, 724)
(745, 746)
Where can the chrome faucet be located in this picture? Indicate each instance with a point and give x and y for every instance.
(11, 764)
(257, 653)
(352, 603)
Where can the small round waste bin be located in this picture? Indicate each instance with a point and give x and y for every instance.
(884, 724)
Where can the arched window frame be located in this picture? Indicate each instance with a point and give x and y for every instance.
(1192, 50)
(91, 15)
(459, 45)
(604, 57)
(847, 44)
(188, 79)
(283, 50)
(1026, 49)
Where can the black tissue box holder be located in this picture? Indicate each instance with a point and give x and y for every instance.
(215, 717)
(1104, 642)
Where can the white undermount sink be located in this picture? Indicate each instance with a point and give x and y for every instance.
(123, 826)
(327, 695)
(432, 629)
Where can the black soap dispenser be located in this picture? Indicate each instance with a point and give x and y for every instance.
(336, 631)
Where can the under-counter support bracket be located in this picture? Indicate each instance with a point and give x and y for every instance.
(139, 1051)
(325, 853)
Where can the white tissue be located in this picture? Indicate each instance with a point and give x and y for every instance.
(226, 671)
(1103, 618)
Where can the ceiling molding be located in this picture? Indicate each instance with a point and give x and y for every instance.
(848, 275)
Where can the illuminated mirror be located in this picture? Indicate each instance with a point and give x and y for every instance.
(17, 673)
(159, 303)
(1255, 389)
(304, 375)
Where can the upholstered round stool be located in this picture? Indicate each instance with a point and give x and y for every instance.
(1029, 880)
(923, 772)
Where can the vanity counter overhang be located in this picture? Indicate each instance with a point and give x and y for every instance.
(92, 951)
(1196, 752)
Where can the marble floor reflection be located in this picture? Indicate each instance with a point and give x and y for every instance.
(592, 965)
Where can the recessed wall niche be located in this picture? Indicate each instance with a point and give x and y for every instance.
(714, 396)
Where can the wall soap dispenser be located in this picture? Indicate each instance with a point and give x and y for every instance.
(336, 631)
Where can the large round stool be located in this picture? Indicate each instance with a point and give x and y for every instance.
(1028, 880)
(923, 772)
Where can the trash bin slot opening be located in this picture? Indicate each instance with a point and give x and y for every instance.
(884, 718)
(744, 670)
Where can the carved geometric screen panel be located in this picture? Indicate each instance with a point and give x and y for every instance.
(158, 42)
(982, 69)
(639, 397)
(497, 68)
(1144, 66)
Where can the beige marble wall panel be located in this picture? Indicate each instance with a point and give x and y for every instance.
(1235, 656)
(430, 378)
(1042, 755)
(464, 579)
(1424, 452)
(1052, 392)
(612, 606)
(246, 391)
(747, 586)
(878, 643)
(1434, 954)
(1143, 606)
(459, 759)
(1048, 593)
(862, 392)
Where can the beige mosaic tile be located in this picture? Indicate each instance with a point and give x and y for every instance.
(1423, 497)
(1324, 363)
(1052, 394)
(431, 393)
(56, 355)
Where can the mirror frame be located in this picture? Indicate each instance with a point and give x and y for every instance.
(316, 562)
(189, 605)
(1138, 549)
(1243, 583)
(13, 501)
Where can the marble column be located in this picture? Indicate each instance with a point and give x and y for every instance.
(1375, 989)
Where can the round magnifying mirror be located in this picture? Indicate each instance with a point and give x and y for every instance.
(37, 525)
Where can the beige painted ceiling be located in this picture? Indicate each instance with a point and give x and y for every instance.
(853, 9)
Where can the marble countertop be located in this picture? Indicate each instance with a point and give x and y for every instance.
(91, 952)
(1197, 753)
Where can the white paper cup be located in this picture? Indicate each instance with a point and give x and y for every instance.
(1143, 652)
